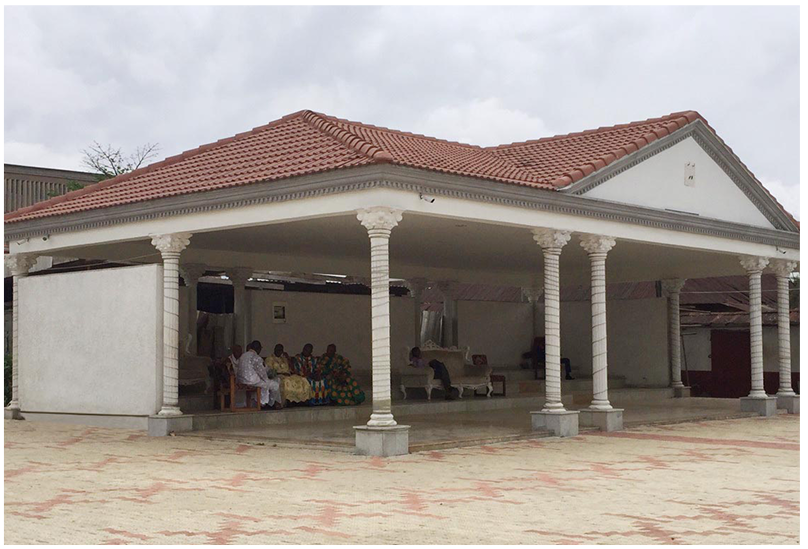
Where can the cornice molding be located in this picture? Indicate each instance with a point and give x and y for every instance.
(404, 179)
(716, 150)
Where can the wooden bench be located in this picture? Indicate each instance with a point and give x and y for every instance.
(228, 389)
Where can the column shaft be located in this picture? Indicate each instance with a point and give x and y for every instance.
(784, 336)
(600, 373)
(552, 330)
(380, 327)
(171, 310)
(756, 334)
(672, 289)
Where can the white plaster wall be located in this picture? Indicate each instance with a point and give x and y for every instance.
(698, 349)
(91, 342)
(502, 331)
(321, 319)
(659, 183)
(637, 344)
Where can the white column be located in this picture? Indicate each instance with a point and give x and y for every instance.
(19, 265)
(191, 273)
(239, 277)
(448, 289)
(782, 270)
(379, 222)
(551, 242)
(533, 295)
(170, 247)
(672, 288)
(416, 287)
(754, 268)
(598, 247)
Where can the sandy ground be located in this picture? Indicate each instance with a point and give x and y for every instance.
(730, 481)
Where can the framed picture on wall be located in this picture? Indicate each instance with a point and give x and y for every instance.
(279, 313)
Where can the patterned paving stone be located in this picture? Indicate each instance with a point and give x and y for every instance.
(724, 482)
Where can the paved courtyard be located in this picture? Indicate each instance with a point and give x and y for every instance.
(728, 481)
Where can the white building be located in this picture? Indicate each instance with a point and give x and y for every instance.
(663, 199)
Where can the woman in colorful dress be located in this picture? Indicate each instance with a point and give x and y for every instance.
(342, 387)
(294, 388)
(305, 364)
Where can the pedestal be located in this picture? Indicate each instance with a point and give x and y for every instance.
(605, 420)
(160, 426)
(681, 392)
(790, 403)
(12, 413)
(763, 406)
(382, 441)
(561, 424)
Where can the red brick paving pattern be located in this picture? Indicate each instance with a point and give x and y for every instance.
(720, 482)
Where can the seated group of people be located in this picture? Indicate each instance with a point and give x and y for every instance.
(304, 378)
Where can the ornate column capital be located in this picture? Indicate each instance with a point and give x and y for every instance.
(20, 264)
(239, 276)
(753, 264)
(379, 218)
(532, 295)
(192, 272)
(551, 239)
(172, 242)
(597, 244)
(672, 286)
(782, 267)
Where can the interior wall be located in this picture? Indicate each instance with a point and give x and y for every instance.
(93, 342)
(321, 319)
(502, 331)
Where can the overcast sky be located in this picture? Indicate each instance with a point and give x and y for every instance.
(182, 77)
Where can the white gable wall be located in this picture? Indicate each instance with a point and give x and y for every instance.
(659, 182)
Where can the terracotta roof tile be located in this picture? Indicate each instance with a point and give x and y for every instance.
(307, 142)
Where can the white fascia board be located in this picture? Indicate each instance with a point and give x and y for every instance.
(445, 205)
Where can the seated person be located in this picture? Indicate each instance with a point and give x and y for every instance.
(305, 364)
(342, 388)
(538, 357)
(294, 388)
(223, 367)
(439, 368)
(251, 371)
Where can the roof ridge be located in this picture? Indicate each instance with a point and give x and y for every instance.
(145, 169)
(349, 139)
(399, 132)
(603, 129)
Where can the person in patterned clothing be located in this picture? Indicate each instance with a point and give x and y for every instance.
(305, 364)
(336, 370)
(294, 388)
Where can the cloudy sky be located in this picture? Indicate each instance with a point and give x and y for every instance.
(182, 77)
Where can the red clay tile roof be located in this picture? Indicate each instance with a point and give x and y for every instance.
(306, 142)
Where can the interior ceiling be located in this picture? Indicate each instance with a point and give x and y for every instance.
(433, 242)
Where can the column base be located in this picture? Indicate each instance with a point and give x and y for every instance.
(763, 406)
(790, 403)
(161, 426)
(382, 441)
(12, 413)
(563, 423)
(681, 392)
(605, 420)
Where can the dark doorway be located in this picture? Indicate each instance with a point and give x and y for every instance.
(731, 363)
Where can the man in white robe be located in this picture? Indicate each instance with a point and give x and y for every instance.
(252, 371)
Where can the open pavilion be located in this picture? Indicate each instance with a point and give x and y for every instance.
(663, 200)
